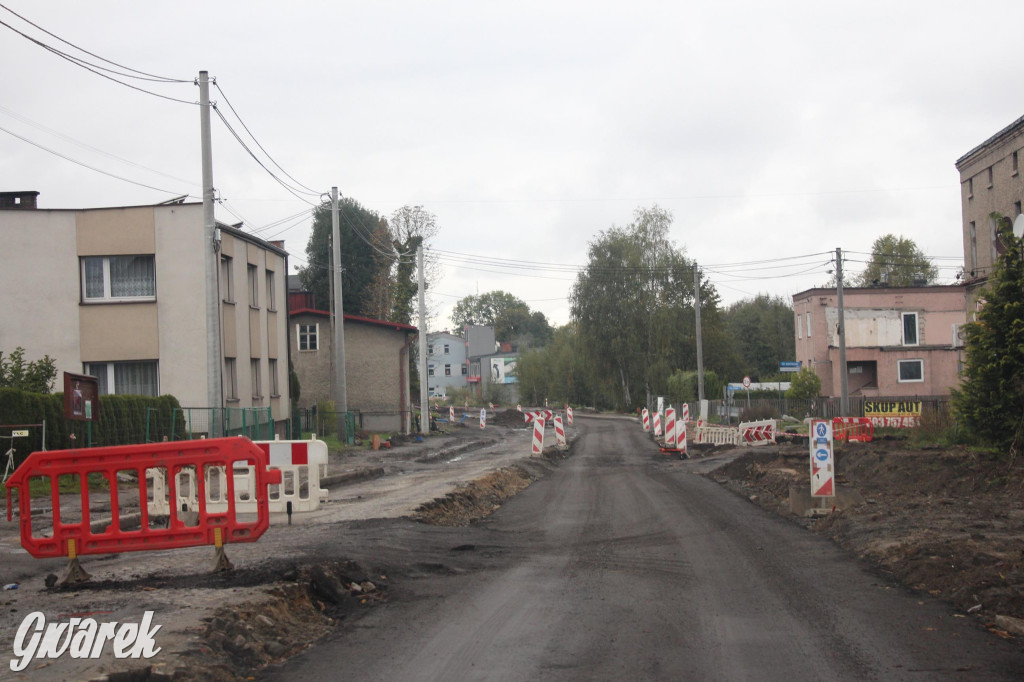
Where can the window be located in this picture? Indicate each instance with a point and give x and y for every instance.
(990, 177)
(993, 238)
(1016, 209)
(271, 300)
(974, 248)
(125, 378)
(799, 327)
(1014, 161)
(118, 278)
(274, 385)
(254, 287)
(430, 371)
(227, 285)
(464, 370)
(447, 370)
(257, 385)
(970, 188)
(309, 336)
(446, 349)
(911, 370)
(808, 325)
(231, 378)
(430, 349)
(909, 329)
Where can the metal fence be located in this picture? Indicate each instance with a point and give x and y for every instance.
(934, 409)
(255, 423)
(325, 422)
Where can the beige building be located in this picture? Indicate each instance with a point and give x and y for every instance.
(900, 341)
(990, 182)
(119, 293)
(376, 364)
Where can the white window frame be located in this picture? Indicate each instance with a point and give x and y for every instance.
(447, 349)
(107, 296)
(275, 385)
(808, 325)
(109, 380)
(254, 376)
(799, 327)
(227, 284)
(899, 371)
(252, 275)
(231, 378)
(903, 330)
(447, 370)
(430, 349)
(316, 337)
(271, 289)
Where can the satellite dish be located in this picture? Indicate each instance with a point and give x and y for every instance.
(1018, 226)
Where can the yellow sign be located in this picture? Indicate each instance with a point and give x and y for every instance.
(892, 408)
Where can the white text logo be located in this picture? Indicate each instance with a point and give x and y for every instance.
(81, 638)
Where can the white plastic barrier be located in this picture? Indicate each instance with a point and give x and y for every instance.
(748, 433)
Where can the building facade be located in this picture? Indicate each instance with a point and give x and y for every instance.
(376, 364)
(120, 293)
(899, 341)
(447, 366)
(991, 182)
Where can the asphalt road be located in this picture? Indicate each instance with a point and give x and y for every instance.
(624, 565)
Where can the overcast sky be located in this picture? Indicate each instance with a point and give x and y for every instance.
(769, 130)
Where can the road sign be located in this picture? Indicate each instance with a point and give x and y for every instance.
(788, 366)
(20, 433)
(746, 382)
(822, 461)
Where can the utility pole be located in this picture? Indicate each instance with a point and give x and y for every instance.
(424, 397)
(700, 343)
(211, 246)
(844, 388)
(339, 322)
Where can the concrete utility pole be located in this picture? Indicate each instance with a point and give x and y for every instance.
(700, 342)
(424, 396)
(844, 388)
(339, 322)
(211, 246)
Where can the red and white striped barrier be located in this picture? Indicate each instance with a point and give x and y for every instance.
(681, 435)
(538, 437)
(559, 432)
(670, 427)
(748, 433)
(646, 418)
(483, 418)
(451, 414)
(758, 433)
(568, 414)
(519, 407)
(686, 412)
(657, 424)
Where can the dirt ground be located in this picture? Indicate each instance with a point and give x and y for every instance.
(949, 523)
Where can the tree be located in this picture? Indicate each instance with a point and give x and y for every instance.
(36, 376)
(804, 385)
(511, 317)
(990, 400)
(763, 333)
(367, 256)
(633, 306)
(896, 262)
(411, 227)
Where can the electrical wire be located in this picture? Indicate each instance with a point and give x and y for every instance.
(92, 168)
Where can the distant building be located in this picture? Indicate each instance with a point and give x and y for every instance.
(899, 341)
(376, 363)
(120, 293)
(990, 182)
(446, 363)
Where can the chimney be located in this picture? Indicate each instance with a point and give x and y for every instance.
(18, 200)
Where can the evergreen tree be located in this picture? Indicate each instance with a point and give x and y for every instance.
(991, 396)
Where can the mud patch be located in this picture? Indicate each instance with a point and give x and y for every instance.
(476, 500)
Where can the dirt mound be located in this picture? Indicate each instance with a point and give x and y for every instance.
(475, 500)
(945, 522)
(511, 418)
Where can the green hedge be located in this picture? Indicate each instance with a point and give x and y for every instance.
(121, 420)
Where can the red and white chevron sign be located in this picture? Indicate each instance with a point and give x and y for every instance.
(756, 433)
(533, 415)
(537, 447)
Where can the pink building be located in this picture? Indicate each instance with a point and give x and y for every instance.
(899, 341)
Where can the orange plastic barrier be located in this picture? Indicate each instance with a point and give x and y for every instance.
(97, 473)
(853, 429)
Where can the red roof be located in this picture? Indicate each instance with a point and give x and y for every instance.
(397, 326)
